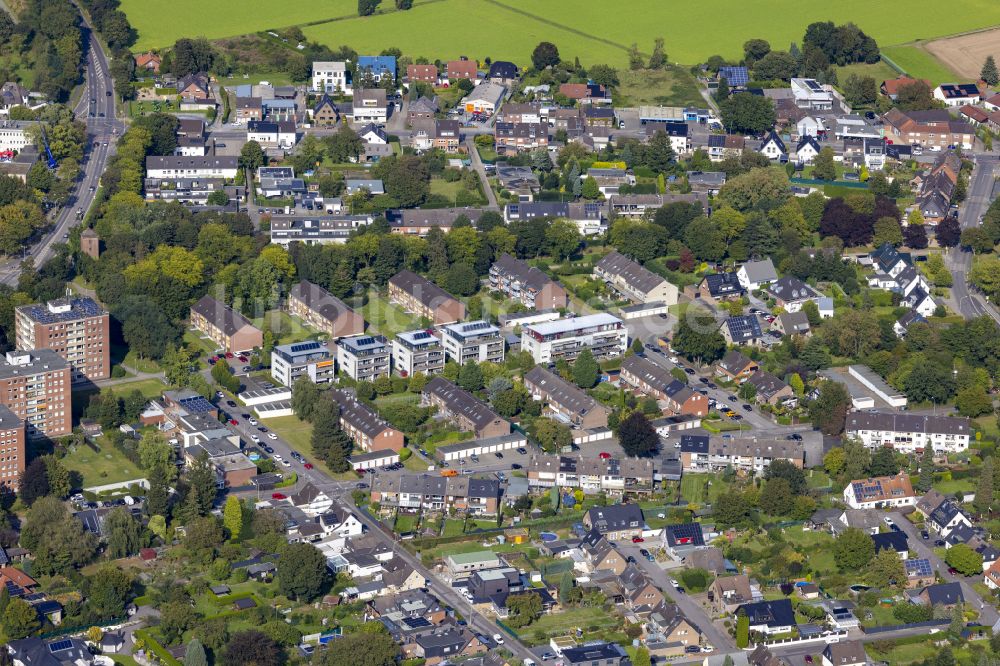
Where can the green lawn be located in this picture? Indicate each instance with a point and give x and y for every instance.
(101, 467)
(450, 190)
(879, 71)
(453, 527)
(919, 63)
(702, 488)
(589, 619)
(405, 523)
(386, 318)
(286, 329)
(151, 388)
(673, 86)
(952, 486)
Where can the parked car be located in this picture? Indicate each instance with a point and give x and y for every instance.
(233, 422)
(271, 435)
(637, 539)
(278, 496)
(498, 639)
(924, 534)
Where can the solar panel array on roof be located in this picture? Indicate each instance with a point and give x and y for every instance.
(364, 341)
(196, 405)
(305, 346)
(814, 85)
(476, 326)
(919, 567)
(686, 534)
(60, 645)
(79, 308)
(422, 335)
(735, 76)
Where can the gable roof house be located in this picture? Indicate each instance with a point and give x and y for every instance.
(770, 389)
(363, 425)
(947, 595)
(715, 288)
(617, 521)
(422, 297)
(194, 87)
(324, 311)
(792, 323)
(655, 380)
(807, 149)
(325, 113)
(769, 617)
(731, 592)
(601, 554)
(370, 106)
(735, 366)
(958, 94)
(845, 653)
(682, 538)
(880, 492)
(502, 72)
(640, 593)
(463, 409)
(755, 275)
(934, 127)
(227, 328)
(742, 330)
(773, 148)
(526, 284)
(947, 517)
(892, 541)
(566, 401)
(791, 293)
(634, 281)
(890, 88)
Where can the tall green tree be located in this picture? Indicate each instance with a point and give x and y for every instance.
(984, 489)
(194, 654)
(926, 478)
(585, 370)
(124, 533)
(233, 517)
(853, 549)
(301, 571)
(20, 619)
(637, 436)
(989, 72)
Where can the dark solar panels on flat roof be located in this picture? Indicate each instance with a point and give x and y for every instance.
(475, 326)
(814, 85)
(196, 405)
(362, 342)
(421, 335)
(305, 346)
(79, 308)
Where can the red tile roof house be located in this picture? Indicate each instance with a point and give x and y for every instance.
(890, 88)
(149, 62)
(462, 69)
(973, 114)
(422, 74)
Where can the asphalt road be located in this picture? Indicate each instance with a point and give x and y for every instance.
(99, 147)
(970, 302)
(987, 613)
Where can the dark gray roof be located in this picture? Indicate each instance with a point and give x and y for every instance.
(638, 278)
(616, 517)
(734, 362)
(651, 373)
(221, 315)
(516, 269)
(897, 422)
(321, 301)
(358, 414)
(462, 402)
(766, 384)
(723, 284)
(791, 289)
(421, 288)
(944, 593)
(561, 392)
(894, 541)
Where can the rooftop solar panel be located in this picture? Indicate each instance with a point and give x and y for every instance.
(735, 76)
(919, 567)
(60, 645)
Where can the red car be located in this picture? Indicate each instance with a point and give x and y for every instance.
(233, 422)
(360, 471)
(229, 354)
(308, 465)
(277, 496)
(637, 539)
(243, 359)
(604, 455)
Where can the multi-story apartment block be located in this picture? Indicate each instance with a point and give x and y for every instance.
(310, 359)
(224, 326)
(565, 400)
(463, 409)
(592, 475)
(437, 493)
(632, 280)
(181, 166)
(12, 453)
(909, 433)
(655, 380)
(417, 351)
(363, 357)
(603, 334)
(75, 328)
(321, 309)
(423, 298)
(473, 341)
(700, 453)
(35, 385)
(364, 426)
(513, 138)
(331, 77)
(526, 284)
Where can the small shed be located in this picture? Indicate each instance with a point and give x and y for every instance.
(220, 590)
(244, 604)
(147, 554)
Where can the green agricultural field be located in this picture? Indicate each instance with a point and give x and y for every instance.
(919, 63)
(880, 71)
(673, 86)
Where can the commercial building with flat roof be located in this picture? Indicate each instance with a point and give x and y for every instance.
(78, 329)
(36, 386)
(566, 401)
(603, 334)
(910, 433)
(423, 298)
(363, 357)
(473, 341)
(310, 359)
(467, 412)
(417, 351)
(871, 380)
(324, 311)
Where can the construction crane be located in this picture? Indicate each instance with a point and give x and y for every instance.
(51, 160)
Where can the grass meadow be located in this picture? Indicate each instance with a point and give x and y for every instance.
(919, 63)
(590, 30)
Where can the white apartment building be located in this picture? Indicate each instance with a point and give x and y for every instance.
(310, 359)
(909, 433)
(181, 166)
(363, 357)
(14, 134)
(417, 351)
(473, 341)
(331, 77)
(603, 334)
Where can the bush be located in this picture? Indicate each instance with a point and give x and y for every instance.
(404, 454)
(696, 580)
